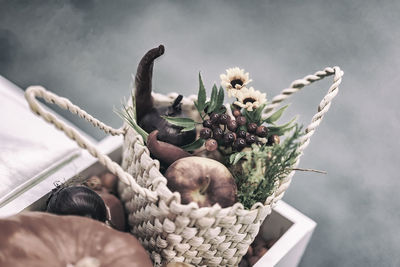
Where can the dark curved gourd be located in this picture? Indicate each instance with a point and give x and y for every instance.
(166, 153)
(148, 116)
(144, 74)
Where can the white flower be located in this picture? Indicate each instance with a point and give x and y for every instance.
(249, 98)
(234, 80)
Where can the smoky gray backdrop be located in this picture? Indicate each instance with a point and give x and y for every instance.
(87, 51)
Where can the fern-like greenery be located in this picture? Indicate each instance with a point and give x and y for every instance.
(259, 170)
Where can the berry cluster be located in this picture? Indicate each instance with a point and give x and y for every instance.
(221, 129)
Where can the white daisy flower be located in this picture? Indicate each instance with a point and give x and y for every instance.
(249, 98)
(234, 80)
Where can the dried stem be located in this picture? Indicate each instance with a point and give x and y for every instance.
(309, 170)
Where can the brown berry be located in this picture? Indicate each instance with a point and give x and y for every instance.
(224, 119)
(215, 126)
(207, 124)
(218, 133)
(211, 144)
(241, 120)
(94, 183)
(229, 137)
(239, 143)
(214, 117)
(252, 127)
(251, 139)
(205, 133)
(236, 113)
(262, 131)
(234, 136)
(273, 139)
(232, 125)
(241, 134)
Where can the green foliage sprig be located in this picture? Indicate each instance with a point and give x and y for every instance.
(258, 171)
(215, 104)
(128, 114)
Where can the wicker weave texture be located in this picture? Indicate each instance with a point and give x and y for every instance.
(209, 236)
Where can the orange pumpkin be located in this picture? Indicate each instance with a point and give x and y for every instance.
(40, 239)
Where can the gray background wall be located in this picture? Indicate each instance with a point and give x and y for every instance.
(86, 51)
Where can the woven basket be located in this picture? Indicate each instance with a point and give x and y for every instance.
(170, 231)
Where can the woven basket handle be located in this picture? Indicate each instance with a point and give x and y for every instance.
(38, 91)
(323, 107)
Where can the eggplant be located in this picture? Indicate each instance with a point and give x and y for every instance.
(149, 117)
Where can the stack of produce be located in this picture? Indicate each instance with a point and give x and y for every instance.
(243, 158)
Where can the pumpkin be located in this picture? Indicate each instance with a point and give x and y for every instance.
(40, 239)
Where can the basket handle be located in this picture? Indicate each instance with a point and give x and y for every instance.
(38, 91)
(323, 106)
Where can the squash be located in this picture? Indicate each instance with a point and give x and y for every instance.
(41, 239)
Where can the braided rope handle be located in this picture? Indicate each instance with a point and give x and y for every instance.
(323, 107)
(38, 91)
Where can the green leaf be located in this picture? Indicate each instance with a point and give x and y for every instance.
(248, 115)
(257, 114)
(242, 128)
(222, 109)
(274, 117)
(220, 99)
(207, 104)
(201, 96)
(194, 145)
(187, 129)
(281, 129)
(128, 115)
(213, 99)
(234, 158)
(182, 122)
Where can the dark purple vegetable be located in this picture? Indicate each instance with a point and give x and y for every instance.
(144, 74)
(166, 153)
(77, 200)
(148, 116)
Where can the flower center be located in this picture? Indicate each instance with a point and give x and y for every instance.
(249, 99)
(236, 81)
